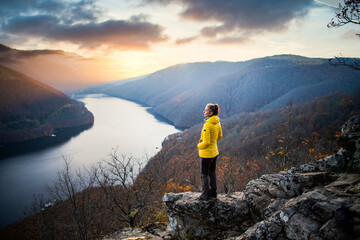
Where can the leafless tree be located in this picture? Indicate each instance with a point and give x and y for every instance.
(44, 227)
(91, 203)
(349, 13)
(128, 191)
(79, 212)
(286, 139)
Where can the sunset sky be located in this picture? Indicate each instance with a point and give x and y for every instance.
(135, 37)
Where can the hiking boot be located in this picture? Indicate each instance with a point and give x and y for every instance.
(203, 198)
(212, 195)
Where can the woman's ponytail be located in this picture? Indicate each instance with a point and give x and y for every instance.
(214, 108)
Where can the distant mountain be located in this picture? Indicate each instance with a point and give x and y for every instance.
(30, 109)
(108, 86)
(164, 85)
(180, 93)
(64, 71)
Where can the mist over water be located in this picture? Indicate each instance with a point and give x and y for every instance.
(119, 124)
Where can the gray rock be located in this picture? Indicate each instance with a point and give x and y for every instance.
(265, 210)
(337, 160)
(332, 230)
(212, 219)
(323, 211)
(349, 140)
(307, 202)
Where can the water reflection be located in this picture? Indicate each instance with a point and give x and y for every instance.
(31, 146)
(119, 124)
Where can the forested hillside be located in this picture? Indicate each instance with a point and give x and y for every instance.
(180, 93)
(109, 196)
(259, 143)
(30, 109)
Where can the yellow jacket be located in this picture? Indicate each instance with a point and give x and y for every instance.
(211, 133)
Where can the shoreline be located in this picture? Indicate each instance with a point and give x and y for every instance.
(149, 109)
(31, 150)
(15, 149)
(62, 135)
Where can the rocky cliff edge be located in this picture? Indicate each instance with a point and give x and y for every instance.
(319, 200)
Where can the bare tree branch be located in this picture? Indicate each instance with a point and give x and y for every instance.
(348, 13)
(353, 63)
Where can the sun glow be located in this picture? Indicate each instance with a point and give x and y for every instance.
(169, 39)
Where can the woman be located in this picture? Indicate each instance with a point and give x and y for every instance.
(211, 133)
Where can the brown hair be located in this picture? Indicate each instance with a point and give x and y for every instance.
(214, 108)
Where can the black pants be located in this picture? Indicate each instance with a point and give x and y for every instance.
(208, 172)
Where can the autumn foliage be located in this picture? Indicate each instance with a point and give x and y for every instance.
(121, 192)
(259, 143)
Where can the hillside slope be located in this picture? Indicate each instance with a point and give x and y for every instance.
(62, 70)
(30, 109)
(316, 200)
(180, 93)
(255, 144)
(250, 148)
(165, 84)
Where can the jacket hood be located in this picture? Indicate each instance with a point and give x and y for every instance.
(213, 120)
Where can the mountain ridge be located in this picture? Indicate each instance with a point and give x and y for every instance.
(180, 92)
(30, 109)
(65, 71)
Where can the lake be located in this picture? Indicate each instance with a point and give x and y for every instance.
(119, 124)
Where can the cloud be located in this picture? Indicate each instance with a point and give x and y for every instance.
(68, 11)
(78, 23)
(231, 40)
(121, 34)
(331, 3)
(241, 16)
(351, 34)
(181, 41)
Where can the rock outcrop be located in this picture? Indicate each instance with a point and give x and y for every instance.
(190, 217)
(319, 200)
(158, 231)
